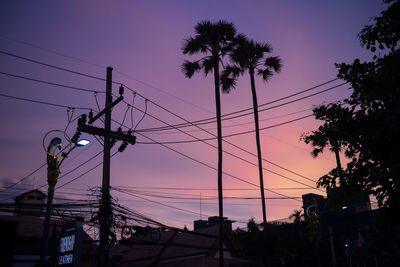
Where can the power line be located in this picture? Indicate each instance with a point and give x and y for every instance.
(224, 141)
(91, 169)
(24, 178)
(160, 203)
(249, 162)
(102, 67)
(178, 116)
(42, 102)
(237, 124)
(98, 78)
(229, 135)
(205, 189)
(205, 198)
(52, 66)
(236, 155)
(225, 116)
(91, 76)
(235, 134)
(33, 172)
(74, 169)
(50, 51)
(160, 143)
(242, 149)
(211, 167)
(50, 83)
(102, 79)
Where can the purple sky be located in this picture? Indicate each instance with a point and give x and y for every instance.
(141, 40)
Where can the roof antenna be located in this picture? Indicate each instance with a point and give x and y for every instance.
(200, 207)
(33, 182)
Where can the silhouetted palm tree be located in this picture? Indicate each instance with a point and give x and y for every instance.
(297, 216)
(214, 40)
(331, 134)
(249, 56)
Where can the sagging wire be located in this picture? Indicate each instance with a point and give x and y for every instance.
(133, 103)
(144, 114)
(128, 106)
(70, 114)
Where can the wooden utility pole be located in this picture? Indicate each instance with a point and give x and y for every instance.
(105, 211)
(105, 207)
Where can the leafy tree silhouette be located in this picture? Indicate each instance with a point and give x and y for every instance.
(366, 125)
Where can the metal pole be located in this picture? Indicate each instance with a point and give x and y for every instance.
(105, 208)
(332, 246)
(52, 176)
(44, 247)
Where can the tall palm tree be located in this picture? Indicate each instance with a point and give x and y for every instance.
(250, 56)
(214, 40)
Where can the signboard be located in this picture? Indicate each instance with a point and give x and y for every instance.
(70, 245)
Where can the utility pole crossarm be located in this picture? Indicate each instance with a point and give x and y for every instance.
(98, 115)
(118, 135)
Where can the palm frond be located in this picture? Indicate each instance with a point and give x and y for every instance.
(193, 45)
(227, 83)
(233, 71)
(265, 47)
(226, 29)
(189, 68)
(273, 62)
(207, 65)
(265, 73)
(240, 39)
(202, 27)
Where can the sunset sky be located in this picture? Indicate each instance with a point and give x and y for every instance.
(142, 41)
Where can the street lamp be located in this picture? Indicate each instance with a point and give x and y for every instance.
(53, 171)
(82, 142)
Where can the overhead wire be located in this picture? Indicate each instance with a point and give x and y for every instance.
(51, 51)
(119, 83)
(236, 124)
(211, 167)
(50, 83)
(225, 150)
(236, 146)
(225, 116)
(229, 135)
(86, 172)
(203, 189)
(231, 154)
(43, 102)
(51, 66)
(193, 197)
(54, 66)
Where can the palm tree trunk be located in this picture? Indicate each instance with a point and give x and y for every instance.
(219, 137)
(260, 168)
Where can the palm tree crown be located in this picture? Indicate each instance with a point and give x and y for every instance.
(214, 40)
(250, 55)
